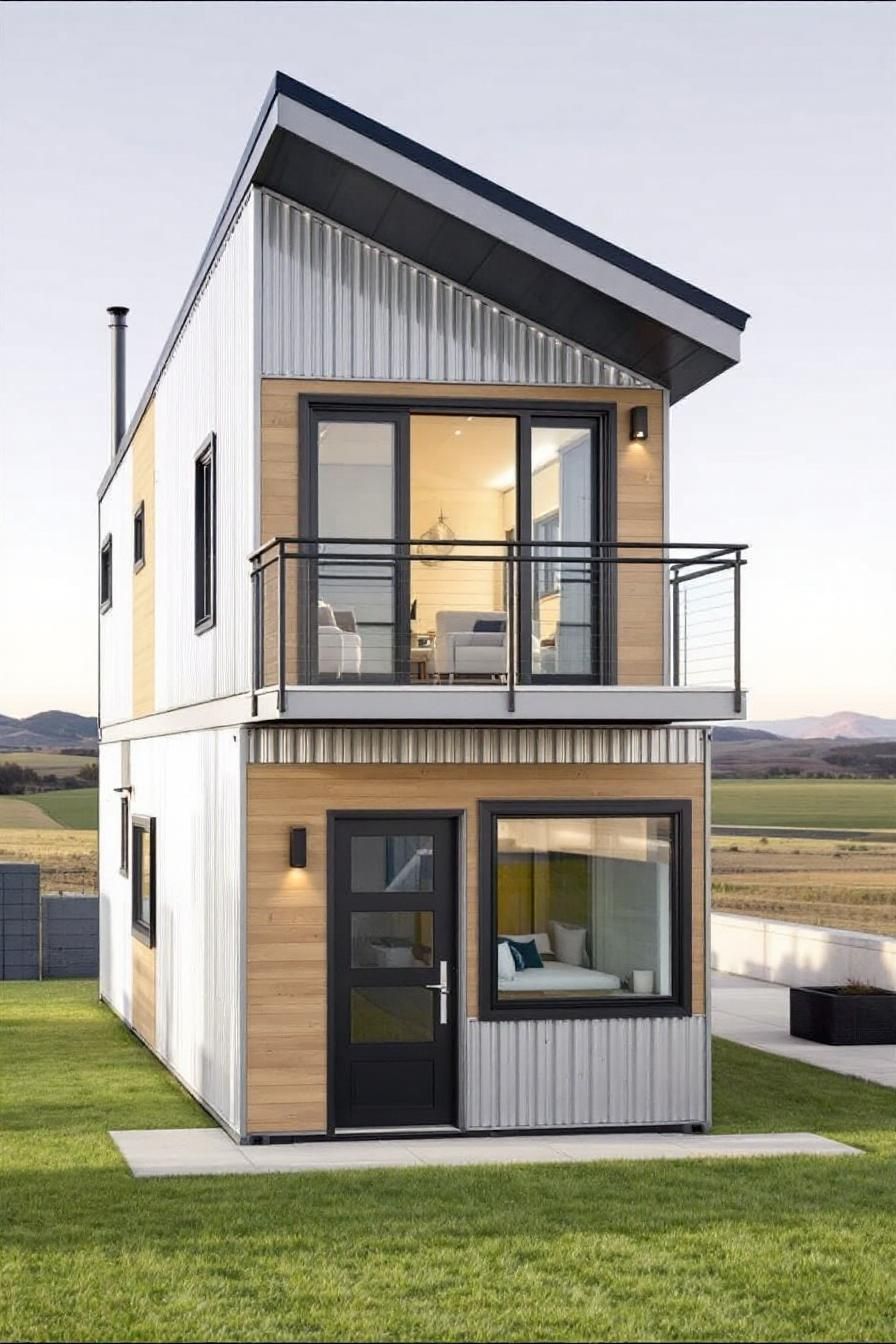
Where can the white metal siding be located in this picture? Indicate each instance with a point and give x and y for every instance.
(337, 306)
(208, 385)
(114, 889)
(600, 1071)
(117, 624)
(192, 784)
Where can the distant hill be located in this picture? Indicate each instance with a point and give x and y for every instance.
(845, 723)
(762, 756)
(724, 733)
(51, 730)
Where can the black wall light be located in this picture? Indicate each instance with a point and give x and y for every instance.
(298, 847)
(638, 422)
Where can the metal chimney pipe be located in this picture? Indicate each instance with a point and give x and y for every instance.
(118, 327)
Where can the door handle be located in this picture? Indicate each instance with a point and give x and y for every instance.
(444, 990)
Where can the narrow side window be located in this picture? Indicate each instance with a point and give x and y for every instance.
(143, 879)
(140, 536)
(125, 836)
(204, 535)
(106, 574)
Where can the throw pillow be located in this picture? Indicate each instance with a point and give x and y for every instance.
(525, 954)
(483, 627)
(506, 965)
(568, 941)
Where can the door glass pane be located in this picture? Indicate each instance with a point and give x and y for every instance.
(391, 938)
(356, 498)
(562, 511)
(391, 863)
(394, 1013)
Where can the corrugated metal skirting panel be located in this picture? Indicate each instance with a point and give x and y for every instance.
(337, 306)
(619, 1071)
(192, 784)
(208, 387)
(475, 746)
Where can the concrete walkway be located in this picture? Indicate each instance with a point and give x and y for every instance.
(756, 1013)
(209, 1152)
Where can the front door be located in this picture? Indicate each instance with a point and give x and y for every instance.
(394, 971)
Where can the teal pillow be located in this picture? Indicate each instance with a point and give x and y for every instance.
(525, 955)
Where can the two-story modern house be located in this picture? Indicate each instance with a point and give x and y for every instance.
(404, 795)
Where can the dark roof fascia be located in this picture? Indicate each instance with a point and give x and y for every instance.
(509, 200)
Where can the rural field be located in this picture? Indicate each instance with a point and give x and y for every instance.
(844, 884)
(47, 762)
(67, 858)
(832, 804)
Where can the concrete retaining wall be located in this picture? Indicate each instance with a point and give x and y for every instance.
(49, 937)
(800, 954)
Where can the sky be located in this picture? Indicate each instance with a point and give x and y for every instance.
(748, 148)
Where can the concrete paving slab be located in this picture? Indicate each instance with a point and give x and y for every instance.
(757, 1014)
(210, 1152)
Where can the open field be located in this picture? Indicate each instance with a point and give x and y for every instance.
(67, 858)
(859, 803)
(775, 1248)
(47, 762)
(22, 813)
(73, 808)
(838, 883)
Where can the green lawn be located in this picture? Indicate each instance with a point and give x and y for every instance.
(76, 809)
(757, 1249)
(828, 803)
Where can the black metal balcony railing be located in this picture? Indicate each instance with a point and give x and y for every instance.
(383, 611)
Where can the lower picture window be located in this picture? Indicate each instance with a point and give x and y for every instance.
(585, 910)
(143, 878)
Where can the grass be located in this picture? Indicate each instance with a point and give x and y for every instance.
(47, 762)
(838, 883)
(68, 859)
(22, 814)
(826, 803)
(75, 809)
(786, 1248)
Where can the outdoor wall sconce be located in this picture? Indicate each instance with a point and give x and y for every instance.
(298, 847)
(638, 422)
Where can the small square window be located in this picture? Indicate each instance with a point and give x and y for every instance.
(143, 879)
(140, 536)
(106, 574)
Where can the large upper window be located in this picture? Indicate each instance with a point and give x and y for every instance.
(584, 908)
(205, 539)
(143, 879)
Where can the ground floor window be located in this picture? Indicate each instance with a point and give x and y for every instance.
(585, 908)
(143, 878)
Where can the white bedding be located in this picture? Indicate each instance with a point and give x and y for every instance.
(557, 975)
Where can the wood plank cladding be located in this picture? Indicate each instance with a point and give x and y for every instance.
(639, 470)
(287, 908)
(143, 449)
(143, 1009)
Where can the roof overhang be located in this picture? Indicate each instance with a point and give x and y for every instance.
(434, 212)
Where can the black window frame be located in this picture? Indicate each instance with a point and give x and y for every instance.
(676, 1004)
(124, 835)
(205, 535)
(599, 418)
(143, 828)
(106, 574)
(140, 536)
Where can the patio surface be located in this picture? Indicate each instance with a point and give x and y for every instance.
(757, 1013)
(210, 1152)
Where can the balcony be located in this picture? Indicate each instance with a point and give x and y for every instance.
(390, 629)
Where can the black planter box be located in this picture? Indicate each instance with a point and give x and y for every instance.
(820, 1013)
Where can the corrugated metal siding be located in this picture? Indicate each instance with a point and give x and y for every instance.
(614, 1071)
(337, 306)
(114, 890)
(116, 669)
(191, 783)
(476, 746)
(208, 386)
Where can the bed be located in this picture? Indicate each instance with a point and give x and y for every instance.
(555, 977)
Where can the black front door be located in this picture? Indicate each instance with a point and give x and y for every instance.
(394, 971)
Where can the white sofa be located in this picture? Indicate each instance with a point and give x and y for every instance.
(461, 650)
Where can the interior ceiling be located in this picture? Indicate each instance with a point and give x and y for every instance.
(475, 452)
